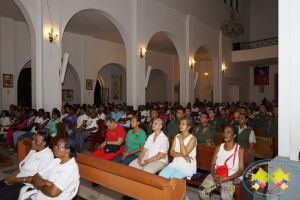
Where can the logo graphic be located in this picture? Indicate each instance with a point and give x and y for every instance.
(270, 178)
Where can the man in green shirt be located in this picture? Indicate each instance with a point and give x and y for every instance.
(271, 126)
(173, 126)
(153, 115)
(222, 120)
(260, 119)
(212, 118)
(204, 132)
(243, 110)
(235, 121)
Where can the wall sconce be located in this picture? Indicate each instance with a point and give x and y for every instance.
(141, 52)
(52, 37)
(206, 73)
(223, 68)
(192, 63)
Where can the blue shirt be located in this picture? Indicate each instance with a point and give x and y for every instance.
(117, 116)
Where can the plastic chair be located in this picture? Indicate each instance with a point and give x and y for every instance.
(24, 194)
(2, 132)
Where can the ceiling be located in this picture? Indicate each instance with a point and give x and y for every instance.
(201, 54)
(9, 9)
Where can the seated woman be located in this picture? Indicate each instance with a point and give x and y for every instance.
(184, 152)
(135, 141)
(22, 120)
(90, 127)
(246, 134)
(63, 112)
(4, 120)
(59, 179)
(229, 153)
(115, 136)
(51, 126)
(153, 156)
(38, 158)
(81, 122)
(125, 119)
(163, 115)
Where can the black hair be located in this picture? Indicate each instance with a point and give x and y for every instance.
(245, 115)
(57, 113)
(224, 109)
(66, 111)
(46, 137)
(205, 113)
(263, 105)
(213, 110)
(69, 143)
(190, 123)
(235, 132)
(138, 119)
(83, 108)
(48, 114)
(181, 108)
(42, 110)
(34, 111)
(243, 108)
(6, 112)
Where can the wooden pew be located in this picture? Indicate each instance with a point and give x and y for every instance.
(61, 132)
(257, 131)
(122, 178)
(264, 147)
(204, 156)
(97, 136)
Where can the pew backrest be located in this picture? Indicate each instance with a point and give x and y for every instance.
(61, 132)
(264, 147)
(257, 131)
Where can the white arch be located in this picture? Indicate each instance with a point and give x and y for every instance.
(167, 81)
(77, 80)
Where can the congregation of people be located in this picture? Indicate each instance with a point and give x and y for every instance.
(137, 138)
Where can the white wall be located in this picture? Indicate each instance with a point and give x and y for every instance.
(204, 85)
(257, 97)
(233, 93)
(263, 19)
(106, 73)
(70, 84)
(156, 90)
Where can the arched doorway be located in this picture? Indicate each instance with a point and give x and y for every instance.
(24, 86)
(162, 56)
(72, 82)
(159, 87)
(111, 84)
(204, 86)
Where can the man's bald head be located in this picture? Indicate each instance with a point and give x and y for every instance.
(236, 115)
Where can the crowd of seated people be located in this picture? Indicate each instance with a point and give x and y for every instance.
(146, 145)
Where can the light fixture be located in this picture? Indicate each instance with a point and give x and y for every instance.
(233, 27)
(223, 68)
(141, 52)
(192, 63)
(206, 73)
(52, 37)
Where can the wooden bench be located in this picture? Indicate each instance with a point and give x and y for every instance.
(204, 156)
(97, 136)
(61, 132)
(257, 131)
(122, 178)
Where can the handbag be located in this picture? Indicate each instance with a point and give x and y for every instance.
(223, 170)
(112, 148)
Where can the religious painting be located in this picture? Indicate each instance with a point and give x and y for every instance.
(116, 87)
(67, 95)
(261, 75)
(176, 89)
(89, 84)
(8, 80)
(261, 89)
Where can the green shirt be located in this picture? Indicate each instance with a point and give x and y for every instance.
(203, 133)
(270, 128)
(52, 125)
(134, 141)
(222, 121)
(173, 129)
(213, 123)
(259, 120)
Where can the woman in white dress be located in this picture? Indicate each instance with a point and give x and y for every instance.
(184, 152)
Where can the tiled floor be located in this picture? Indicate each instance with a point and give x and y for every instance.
(86, 190)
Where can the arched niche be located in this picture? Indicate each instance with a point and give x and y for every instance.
(24, 86)
(72, 82)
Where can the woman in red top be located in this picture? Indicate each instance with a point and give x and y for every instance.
(164, 116)
(115, 135)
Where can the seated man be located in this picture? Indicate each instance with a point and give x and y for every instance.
(153, 156)
(81, 121)
(243, 110)
(70, 119)
(173, 126)
(153, 115)
(204, 132)
(246, 136)
(222, 120)
(212, 118)
(261, 118)
(271, 126)
(235, 121)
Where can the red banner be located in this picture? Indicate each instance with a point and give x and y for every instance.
(261, 75)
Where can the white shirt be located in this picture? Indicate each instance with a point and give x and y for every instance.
(127, 123)
(195, 109)
(38, 120)
(180, 163)
(148, 114)
(4, 121)
(35, 162)
(144, 113)
(223, 155)
(64, 176)
(80, 119)
(161, 144)
(92, 123)
(102, 116)
(63, 116)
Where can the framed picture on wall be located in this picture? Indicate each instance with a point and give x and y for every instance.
(89, 84)
(67, 96)
(261, 89)
(8, 80)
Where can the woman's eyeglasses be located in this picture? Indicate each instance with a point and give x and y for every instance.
(58, 147)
